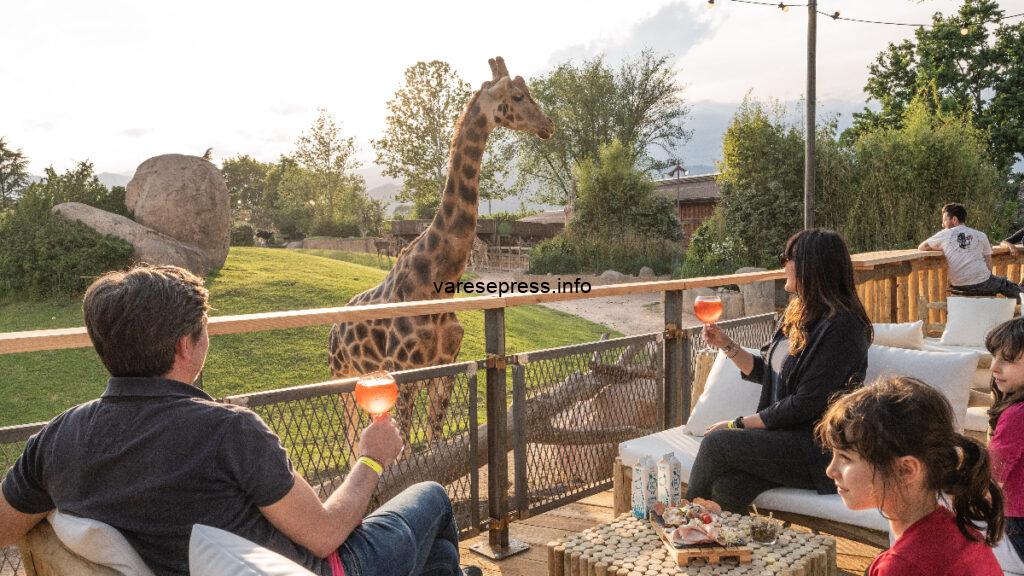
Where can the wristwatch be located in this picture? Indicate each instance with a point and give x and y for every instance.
(738, 422)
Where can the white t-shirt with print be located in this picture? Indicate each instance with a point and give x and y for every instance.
(965, 249)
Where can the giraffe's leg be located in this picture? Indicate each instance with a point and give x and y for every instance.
(404, 410)
(440, 391)
(341, 368)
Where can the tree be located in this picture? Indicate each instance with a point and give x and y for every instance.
(591, 105)
(418, 132)
(78, 184)
(13, 174)
(246, 179)
(968, 62)
(330, 160)
(616, 199)
(762, 177)
(906, 174)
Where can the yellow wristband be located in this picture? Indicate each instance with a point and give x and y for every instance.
(731, 424)
(372, 464)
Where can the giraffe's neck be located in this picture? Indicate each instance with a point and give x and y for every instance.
(455, 221)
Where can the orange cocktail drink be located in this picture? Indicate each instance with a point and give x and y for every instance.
(376, 392)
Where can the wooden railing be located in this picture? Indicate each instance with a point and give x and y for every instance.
(894, 284)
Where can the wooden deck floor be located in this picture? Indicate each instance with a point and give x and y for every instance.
(537, 531)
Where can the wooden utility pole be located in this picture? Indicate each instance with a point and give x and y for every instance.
(809, 131)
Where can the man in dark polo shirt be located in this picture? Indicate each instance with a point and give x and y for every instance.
(155, 455)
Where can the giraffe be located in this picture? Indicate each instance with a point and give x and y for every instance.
(438, 254)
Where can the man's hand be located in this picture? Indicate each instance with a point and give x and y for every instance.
(381, 441)
(1012, 247)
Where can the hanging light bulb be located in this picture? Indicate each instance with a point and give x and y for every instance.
(783, 7)
(835, 16)
(710, 4)
(964, 31)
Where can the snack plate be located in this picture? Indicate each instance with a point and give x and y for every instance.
(712, 552)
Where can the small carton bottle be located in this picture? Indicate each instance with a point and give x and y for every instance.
(670, 480)
(644, 492)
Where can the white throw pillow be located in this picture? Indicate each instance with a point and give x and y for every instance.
(969, 320)
(726, 396)
(906, 335)
(98, 543)
(948, 372)
(215, 552)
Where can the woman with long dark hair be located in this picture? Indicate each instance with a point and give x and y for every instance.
(819, 350)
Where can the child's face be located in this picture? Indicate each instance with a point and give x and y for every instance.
(1008, 376)
(855, 479)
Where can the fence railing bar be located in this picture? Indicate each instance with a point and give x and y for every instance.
(596, 346)
(20, 432)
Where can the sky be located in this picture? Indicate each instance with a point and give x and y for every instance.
(117, 82)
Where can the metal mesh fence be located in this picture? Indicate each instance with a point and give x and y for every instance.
(12, 443)
(572, 406)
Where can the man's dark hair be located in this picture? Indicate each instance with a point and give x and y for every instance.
(136, 318)
(956, 210)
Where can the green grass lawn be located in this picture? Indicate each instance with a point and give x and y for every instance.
(38, 385)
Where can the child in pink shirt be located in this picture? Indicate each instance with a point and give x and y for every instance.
(1006, 443)
(894, 448)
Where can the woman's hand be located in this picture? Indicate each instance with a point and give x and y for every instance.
(717, 426)
(714, 336)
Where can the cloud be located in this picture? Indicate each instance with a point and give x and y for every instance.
(674, 30)
(135, 132)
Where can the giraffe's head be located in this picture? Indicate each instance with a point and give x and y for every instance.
(510, 103)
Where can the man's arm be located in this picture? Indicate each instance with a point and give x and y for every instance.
(13, 523)
(928, 247)
(322, 527)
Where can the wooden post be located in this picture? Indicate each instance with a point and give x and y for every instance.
(893, 299)
(810, 130)
(498, 544)
(677, 359)
(912, 293)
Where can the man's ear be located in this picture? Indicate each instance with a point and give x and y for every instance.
(500, 88)
(183, 347)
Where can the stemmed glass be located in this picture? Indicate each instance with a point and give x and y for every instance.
(708, 309)
(376, 393)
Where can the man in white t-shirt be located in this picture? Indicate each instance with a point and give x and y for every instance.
(969, 255)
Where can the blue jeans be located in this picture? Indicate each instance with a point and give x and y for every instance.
(413, 534)
(994, 285)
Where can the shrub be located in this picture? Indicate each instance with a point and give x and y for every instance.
(581, 253)
(712, 252)
(242, 235)
(42, 254)
(335, 229)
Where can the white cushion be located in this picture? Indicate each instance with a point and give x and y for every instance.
(969, 320)
(726, 395)
(948, 372)
(976, 419)
(215, 552)
(807, 502)
(98, 543)
(984, 356)
(904, 335)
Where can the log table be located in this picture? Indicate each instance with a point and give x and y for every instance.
(628, 546)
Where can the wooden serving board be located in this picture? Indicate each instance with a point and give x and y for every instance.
(712, 553)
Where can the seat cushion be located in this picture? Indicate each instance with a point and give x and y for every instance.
(976, 419)
(951, 373)
(806, 502)
(936, 345)
(726, 395)
(970, 319)
(904, 335)
(216, 552)
(98, 543)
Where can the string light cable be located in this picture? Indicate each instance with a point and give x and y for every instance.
(784, 6)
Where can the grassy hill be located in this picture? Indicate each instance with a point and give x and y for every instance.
(38, 385)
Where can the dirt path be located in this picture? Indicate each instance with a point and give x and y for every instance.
(629, 314)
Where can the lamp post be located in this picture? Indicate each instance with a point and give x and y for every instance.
(809, 131)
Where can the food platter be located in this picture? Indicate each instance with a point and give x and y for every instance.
(710, 550)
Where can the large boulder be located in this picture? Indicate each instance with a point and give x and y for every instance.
(183, 197)
(150, 246)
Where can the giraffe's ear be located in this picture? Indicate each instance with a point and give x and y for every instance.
(500, 88)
